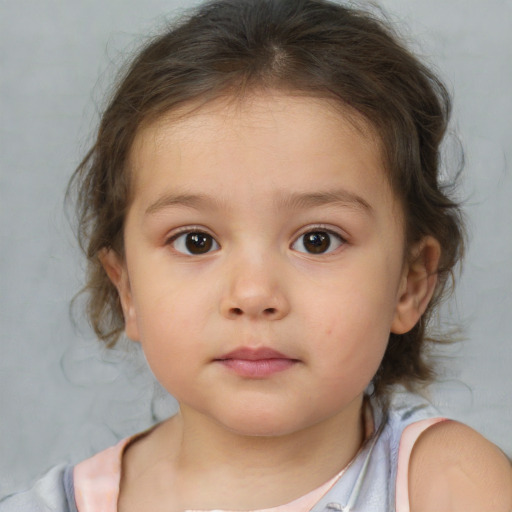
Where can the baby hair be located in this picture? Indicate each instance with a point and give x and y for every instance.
(316, 48)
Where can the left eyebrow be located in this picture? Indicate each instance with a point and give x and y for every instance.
(340, 197)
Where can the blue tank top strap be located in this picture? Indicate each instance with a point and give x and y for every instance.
(369, 483)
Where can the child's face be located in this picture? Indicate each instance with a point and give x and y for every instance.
(263, 225)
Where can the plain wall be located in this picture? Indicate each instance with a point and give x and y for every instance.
(62, 396)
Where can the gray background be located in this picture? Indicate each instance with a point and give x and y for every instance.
(62, 397)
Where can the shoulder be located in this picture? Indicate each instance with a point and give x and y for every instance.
(453, 467)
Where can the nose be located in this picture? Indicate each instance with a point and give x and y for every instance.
(255, 291)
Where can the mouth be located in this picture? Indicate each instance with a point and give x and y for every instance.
(256, 363)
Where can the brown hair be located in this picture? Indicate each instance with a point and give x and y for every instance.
(312, 47)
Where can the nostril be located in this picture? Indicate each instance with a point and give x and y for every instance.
(239, 311)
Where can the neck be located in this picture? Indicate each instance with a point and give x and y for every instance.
(287, 466)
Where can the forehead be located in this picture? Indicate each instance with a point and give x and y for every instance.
(270, 142)
(260, 110)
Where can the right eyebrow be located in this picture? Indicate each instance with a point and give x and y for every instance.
(187, 200)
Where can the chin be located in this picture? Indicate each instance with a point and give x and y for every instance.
(262, 424)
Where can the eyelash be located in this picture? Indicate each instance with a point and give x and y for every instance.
(319, 229)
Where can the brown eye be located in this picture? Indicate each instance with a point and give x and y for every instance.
(317, 242)
(194, 243)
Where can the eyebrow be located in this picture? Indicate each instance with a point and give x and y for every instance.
(291, 201)
(196, 201)
(340, 197)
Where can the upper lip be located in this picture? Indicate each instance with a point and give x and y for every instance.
(254, 354)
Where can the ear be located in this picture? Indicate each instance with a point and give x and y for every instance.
(418, 284)
(117, 272)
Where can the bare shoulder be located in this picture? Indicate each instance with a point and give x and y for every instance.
(454, 468)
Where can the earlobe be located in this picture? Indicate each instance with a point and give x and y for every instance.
(417, 286)
(116, 270)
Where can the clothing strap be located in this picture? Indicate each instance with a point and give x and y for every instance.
(356, 490)
(409, 437)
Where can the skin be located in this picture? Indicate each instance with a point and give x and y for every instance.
(255, 176)
(455, 469)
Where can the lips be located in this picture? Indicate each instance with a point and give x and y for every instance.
(254, 354)
(256, 363)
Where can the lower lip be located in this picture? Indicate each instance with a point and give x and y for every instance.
(259, 368)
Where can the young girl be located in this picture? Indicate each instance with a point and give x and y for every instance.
(261, 211)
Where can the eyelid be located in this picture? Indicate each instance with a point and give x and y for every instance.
(322, 227)
(175, 233)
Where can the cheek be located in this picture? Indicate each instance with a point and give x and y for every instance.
(352, 325)
(352, 357)
(168, 300)
(355, 340)
(361, 304)
(166, 322)
(172, 346)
